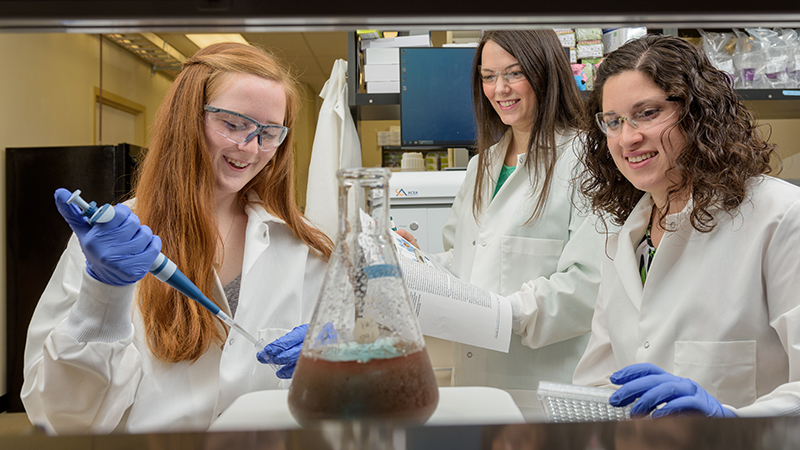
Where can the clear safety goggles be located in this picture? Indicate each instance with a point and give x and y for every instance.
(643, 115)
(512, 74)
(241, 129)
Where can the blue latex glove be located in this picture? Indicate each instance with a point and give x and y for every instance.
(284, 351)
(654, 386)
(118, 252)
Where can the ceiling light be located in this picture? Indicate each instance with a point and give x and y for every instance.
(204, 40)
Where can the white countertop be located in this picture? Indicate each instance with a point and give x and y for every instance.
(457, 406)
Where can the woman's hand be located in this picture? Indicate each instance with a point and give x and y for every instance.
(653, 386)
(284, 351)
(118, 252)
(407, 236)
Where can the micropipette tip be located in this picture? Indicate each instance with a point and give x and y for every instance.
(225, 318)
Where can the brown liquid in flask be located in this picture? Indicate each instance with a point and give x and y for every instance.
(364, 356)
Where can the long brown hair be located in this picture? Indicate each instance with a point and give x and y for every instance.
(558, 107)
(723, 147)
(175, 190)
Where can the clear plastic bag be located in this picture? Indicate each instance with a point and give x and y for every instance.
(719, 48)
(776, 56)
(792, 40)
(749, 62)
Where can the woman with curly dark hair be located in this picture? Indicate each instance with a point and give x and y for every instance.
(701, 280)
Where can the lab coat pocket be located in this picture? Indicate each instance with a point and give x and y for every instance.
(727, 370)
(524, 259)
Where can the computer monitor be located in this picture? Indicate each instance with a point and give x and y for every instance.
(436, 97)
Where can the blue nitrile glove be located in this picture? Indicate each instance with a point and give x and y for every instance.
(654, 386)
(284, 351)
(118, 252)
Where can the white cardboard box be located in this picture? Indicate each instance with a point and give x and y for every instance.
(567, 38)
(419, 40)
(389, 138)
(381, 72)
(383, 87)
(614, 38)
(382, 56)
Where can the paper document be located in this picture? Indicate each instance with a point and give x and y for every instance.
(448, 308)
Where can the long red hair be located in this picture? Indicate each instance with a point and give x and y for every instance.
(175, 189)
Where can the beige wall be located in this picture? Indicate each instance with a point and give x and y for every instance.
(48, 99)
(368, 134)
(783, 118)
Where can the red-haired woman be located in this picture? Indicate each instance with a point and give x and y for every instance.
(112, 349)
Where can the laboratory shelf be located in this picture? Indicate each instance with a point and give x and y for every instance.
(769, 94)
(377, 99)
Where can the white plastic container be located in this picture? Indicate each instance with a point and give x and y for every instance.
(412, 162)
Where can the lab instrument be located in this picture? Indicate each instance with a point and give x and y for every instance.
(364, 355)
(162, 268)
(573, 403)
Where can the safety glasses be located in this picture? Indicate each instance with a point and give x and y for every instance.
(241, 129)
(512, 74)
(641, 116)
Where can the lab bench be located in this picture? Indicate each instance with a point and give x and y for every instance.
(667, 434)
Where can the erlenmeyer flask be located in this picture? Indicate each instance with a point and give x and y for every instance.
(364, 356)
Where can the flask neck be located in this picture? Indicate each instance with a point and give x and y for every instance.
(364, 201)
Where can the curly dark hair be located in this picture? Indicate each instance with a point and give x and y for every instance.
(723, 147)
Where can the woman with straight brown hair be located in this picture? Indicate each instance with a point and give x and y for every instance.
(110, 348)
(515, 227)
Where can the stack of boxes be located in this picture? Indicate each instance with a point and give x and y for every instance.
(588, 46)
(382, 61)
(391, 138)
(567, 38)
(589, 49)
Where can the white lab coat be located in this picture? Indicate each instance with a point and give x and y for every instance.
(550, 268)
(78, 387)
(336, 146)
(721, 308)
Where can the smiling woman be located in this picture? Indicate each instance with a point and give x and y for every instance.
(240, 146)
(517, 227)
(223, 207)
(698, 305)
(644, 142)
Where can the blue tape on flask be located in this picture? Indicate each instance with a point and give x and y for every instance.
(382, 270)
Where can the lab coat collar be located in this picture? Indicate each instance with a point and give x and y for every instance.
(669, 250)
(256, 242)
(625, 258)
(257, 236)
(497, 154)
(255, 206)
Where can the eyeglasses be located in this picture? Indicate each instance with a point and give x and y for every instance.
(512, 74)
(241, 129)
(643, 115)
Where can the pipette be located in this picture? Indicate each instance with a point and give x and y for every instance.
(162, 268)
